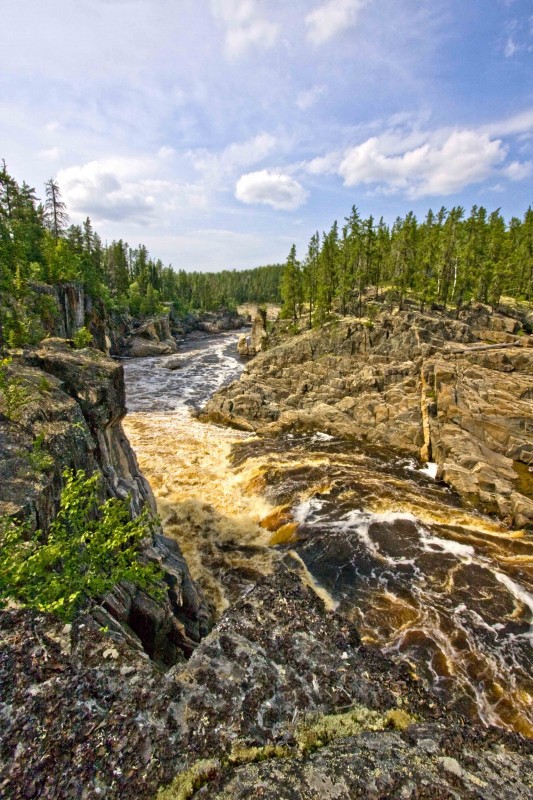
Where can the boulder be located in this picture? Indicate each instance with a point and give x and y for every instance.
(142, 348)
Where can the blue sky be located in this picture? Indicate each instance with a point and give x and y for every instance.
(218, 132)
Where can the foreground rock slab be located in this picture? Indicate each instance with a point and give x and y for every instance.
(279, 700)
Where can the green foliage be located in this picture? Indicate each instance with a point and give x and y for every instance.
(450, 258)
(13, 395)
(38, 459)
(82, 338)
(89, 548)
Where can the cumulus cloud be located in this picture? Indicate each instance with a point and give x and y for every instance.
(270, 188)
(329, 19)
(217, 166)
(442, 164)
(519, 170)
(245, 27)
(122, 189)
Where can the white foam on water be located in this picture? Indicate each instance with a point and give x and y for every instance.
(303, 511)
(520, 594)
(319, 436)
(430, 469)
(429, 543)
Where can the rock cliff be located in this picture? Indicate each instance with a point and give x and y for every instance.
(71, 408)
(455, 392)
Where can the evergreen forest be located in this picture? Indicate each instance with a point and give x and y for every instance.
(448, 259)
(39, 248)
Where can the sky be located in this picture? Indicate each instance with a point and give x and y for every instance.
(219, 132)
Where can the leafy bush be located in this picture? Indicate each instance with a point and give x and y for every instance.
(88, 549)
(13, 395)
(82, 338)
(38, 459)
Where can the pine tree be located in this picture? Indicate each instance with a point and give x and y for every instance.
(55, 211)
(291, 287)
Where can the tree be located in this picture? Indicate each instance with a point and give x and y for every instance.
(291, 286)
(89, 548)
(55, 210)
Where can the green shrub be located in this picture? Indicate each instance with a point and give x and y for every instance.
(88, 549)
(38, 459)
(13, 395)
(82, 338)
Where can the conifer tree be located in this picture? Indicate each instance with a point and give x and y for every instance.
(55, 210)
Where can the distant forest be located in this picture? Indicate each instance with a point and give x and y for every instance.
(449, 259)
(38, 246)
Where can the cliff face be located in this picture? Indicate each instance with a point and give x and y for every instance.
(456, 392)
(73, 407)
(118, 333)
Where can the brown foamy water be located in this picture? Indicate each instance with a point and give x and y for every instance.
(446, 589)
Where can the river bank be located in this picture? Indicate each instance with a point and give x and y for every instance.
(360, 637)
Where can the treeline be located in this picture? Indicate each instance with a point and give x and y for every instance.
(449, 259)
(38, 245)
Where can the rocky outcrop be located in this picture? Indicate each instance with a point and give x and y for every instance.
(440, 389)
(151, 338)
(159, 335)
(280, 699)
(250, 345)
(72, 406)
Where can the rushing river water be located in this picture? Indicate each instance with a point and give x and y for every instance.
(380, 541)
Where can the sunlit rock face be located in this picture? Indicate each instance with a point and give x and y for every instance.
(425, 385)
(371, 531)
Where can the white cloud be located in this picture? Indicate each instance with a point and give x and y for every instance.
(217, 166)
(520, 123)
(433, 168)
(308, 98)
(272, 189)
(245, 28)
(519, 170)
(510, 48)
(325, 165)
(123, 189)
(166, 151)
(331, 18)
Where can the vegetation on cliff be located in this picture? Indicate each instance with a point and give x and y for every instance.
(89, 548)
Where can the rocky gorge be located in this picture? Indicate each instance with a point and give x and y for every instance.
(453, 392)
(278, 690)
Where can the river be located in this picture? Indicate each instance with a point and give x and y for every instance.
(446, 589)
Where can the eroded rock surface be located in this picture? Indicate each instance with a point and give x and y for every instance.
(83, 716)
(442, 390)
(73, 405)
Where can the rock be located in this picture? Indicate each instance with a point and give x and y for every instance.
(250, 345)
(176, 362)
(75, 401)
(425, 385)
(280, 681)
(143, 348)
(243, 346)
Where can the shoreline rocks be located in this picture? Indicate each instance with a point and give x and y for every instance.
(438, 389)
(279, 700)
